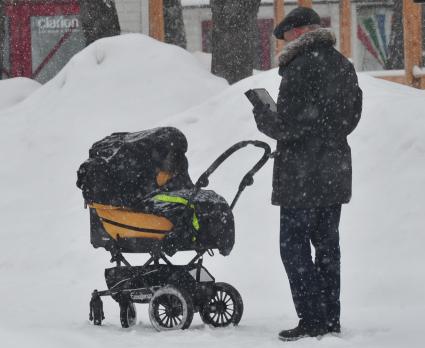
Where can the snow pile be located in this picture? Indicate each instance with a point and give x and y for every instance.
(15, 90)
(204, 58)
(131, 83)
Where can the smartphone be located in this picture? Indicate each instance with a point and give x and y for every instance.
(260, 97)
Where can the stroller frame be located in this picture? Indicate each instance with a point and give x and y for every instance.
(175, 292)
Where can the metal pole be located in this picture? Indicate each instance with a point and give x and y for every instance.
(345, 28)
(279, 14)
(412, 15)
(305, 3)
(156, 19)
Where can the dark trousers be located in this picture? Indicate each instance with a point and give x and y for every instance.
(315, 285)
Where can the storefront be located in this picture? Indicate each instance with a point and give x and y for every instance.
(198, 25)
(40, 37)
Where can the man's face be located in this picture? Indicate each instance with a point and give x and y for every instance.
(295, 33)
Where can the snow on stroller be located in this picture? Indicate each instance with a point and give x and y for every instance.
(142, 200)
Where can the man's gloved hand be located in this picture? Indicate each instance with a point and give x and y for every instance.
(260, 114)
(90, 317)
(261, 109)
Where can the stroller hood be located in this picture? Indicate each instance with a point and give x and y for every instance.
(124, 167)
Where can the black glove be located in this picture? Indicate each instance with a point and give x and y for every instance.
(90, 317)
(260, 114)
(261, 109)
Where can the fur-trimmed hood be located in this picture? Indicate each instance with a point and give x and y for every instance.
(320, 37)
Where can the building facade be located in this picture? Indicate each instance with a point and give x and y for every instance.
(197, 18)
(40, 36)
(370, 31)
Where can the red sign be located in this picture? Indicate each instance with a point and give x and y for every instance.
(39, 34)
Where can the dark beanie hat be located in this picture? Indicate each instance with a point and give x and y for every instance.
(299, 17)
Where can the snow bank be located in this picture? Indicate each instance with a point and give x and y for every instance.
(13, 91)
(204, 58)
(129, 83)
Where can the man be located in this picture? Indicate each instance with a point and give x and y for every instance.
(319, 104)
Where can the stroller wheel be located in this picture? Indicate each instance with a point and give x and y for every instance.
(224, 308)
(171, 308)
(128, 315)
(97, 320)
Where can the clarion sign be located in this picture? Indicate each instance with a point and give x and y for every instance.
(57, 23)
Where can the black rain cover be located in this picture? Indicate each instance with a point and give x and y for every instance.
(122, 167)
(216, 222)
(216, 225)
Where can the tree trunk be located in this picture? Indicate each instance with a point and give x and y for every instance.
(396, 45)
(99, 19)
(2, 34)
(173, 22)
(233, 38)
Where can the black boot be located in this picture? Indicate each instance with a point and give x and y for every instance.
(304, 329)
(333, 328)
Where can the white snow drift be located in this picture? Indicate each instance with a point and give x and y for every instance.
(14, 91)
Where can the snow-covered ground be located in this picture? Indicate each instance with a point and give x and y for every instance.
(15, 90)
(48, 267)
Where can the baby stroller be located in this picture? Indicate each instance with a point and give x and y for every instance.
(141, 200)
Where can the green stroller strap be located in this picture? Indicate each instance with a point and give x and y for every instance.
(180, 200)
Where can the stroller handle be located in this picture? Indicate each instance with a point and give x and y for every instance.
(248, 179)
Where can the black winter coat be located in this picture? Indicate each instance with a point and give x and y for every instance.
(319, 104)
